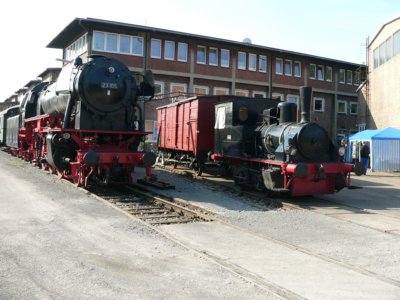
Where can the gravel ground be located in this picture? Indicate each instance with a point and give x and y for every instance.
(340, 240)
(58, 243)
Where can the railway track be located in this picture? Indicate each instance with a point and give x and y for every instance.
(151, 208)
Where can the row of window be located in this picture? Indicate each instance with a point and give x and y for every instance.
(134, 45)
(76, 48)
(318, 102)
(387, 49)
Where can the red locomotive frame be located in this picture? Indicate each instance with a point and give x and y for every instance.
(32, 147)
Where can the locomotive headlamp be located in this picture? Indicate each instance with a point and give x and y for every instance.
(111, 70)
(66, 136)
(342, 151)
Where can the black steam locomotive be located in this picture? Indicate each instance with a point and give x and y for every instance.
(267, 149)
(87, 125)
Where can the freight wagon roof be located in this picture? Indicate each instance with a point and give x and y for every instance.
(221, 97)
(80, 25)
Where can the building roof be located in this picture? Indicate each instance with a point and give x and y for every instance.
(48, 70)
(79, 26)
(380, 30)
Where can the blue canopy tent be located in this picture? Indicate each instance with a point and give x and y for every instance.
(385, 148)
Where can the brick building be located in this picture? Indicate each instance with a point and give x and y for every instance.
(185, 63)
(380, 94)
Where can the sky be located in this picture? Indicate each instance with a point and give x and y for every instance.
(336, 29)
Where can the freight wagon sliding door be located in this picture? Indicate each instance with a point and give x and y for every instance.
(171, 134)
(191, 140)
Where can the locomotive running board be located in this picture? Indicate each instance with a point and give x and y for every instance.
(155, 183)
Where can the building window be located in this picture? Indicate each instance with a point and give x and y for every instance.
(158, 88)
(213, 56)
(137, 46)
(262, 63)
(77, 48)
(320, 72)
(313, 71)
(169, 50)
(201, 54)
(277, 96)
(252, 62)
(182, 52)
(242, 60)
(328, 73)
(225, 58)
(155, 48)
(117, 43)
(278, 66)
(221, 91)
(297, 69)
(353, 108)
(99, 39)
(396, 43)
(382, 54)
(342, 73)
(125, 44)
(178, 90)
(288, 67)
(389, 48)
(292, 99)
(111, 42)
(319, 104)
(200, 90)
(376, 58)
(242, 93)
(357, 75)
(258, 94)
(349, 77)
(342, 107)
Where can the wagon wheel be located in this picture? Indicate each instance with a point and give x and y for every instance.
(60, 174)
(198, 167)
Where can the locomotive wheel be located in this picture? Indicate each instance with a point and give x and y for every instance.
(241, 177)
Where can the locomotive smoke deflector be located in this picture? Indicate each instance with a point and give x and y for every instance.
(305, 103)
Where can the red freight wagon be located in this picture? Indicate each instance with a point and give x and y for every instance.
(186, 130)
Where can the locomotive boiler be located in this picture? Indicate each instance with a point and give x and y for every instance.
(87, 125)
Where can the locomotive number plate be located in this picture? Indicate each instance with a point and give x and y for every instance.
(109, 85)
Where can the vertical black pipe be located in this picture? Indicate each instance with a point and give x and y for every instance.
(305, 103)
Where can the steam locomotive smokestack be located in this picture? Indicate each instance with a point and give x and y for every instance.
(305, 103)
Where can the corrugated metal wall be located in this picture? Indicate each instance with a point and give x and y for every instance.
(385, 155)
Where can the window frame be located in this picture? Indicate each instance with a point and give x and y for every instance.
(288, 62)
(322, 104)
(220, 89)
(180, 44)
(243, 65)
(349, 77)
(278, 61)
(226, 51)
(215, 50)
(260, 57)
(313, 67)
(204, 48)
(328, 78)
(296, 62)
(206, 88)
(152, 55)
(320, 70)
(245, 92)
(344, 76)
(264, 94)
(345, 107)
(352, 103)
(254, 56)
(133, 38)
(162, 86)
(167, 49)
